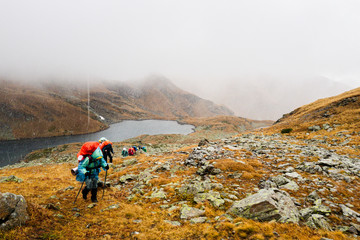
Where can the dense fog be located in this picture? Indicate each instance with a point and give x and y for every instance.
(231, 52)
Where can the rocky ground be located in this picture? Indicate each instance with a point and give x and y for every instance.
(311, 186)
(319, 180)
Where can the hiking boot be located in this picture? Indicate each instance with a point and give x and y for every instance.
(85, 192)
(93, 195)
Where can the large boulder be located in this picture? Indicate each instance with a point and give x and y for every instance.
(13, 211)
(267, 205)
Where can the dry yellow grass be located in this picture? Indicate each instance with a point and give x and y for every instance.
(343, 110)
(44, 189)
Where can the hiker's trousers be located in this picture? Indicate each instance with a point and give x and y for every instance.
(91, 183)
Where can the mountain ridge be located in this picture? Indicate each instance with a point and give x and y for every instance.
(53, 109)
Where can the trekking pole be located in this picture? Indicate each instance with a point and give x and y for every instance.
(104, 185)
(79, 190)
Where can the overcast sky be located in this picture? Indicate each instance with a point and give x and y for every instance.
(203, 41)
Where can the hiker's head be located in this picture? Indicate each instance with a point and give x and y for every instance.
(102, 140)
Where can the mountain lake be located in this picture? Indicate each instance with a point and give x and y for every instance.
(14, 151)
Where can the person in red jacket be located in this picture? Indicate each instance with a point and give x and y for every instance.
(131, 151)
(107, 149)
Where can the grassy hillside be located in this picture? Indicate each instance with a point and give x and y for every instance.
(341, 112)
(31, 112)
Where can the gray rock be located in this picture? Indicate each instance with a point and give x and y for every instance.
(159, 194)
(352, 230)
(145, 177)
(195, 187)
(235, 175)
(328, 162)
(318, 221)
(203, 142)
(268, 184)
(174, 223)
(69, 188)
(111, 207)
(267, 205)
(13, 211)
(326, 126)
(129, 162)
(309, 167)
(187, 212)
(59, 216)
(280, 180)
(92, 205)
(348, 212)
(208, 169)
(198, 220)
(11, 178)
(319, 209)
(164, 167)
(314, 128)
(356, 226)
(313, 196)
(293, 175)
(213, 197)
(52, 206)
(290, 186)
(127, 177)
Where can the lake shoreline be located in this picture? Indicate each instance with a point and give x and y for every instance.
(12, 151)
(107, 127)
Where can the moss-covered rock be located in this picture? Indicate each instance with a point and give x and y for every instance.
(267, 205)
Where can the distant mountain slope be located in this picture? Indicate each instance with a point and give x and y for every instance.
(52, 109)
(155, 97)
(160, 96)
(26, 111)
(341, 111)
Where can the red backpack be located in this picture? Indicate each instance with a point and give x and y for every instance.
(87, 149)
(131, 151)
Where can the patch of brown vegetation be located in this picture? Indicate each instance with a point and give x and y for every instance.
(342, 110)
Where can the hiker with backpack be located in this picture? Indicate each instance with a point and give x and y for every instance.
(131, 151)
(86, 150)
(88, 172)
(107, 149)
(124, 153)
(135, 149)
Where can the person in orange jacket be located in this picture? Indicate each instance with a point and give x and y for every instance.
(106, 148)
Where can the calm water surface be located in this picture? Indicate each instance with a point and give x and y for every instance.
(14, 151)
